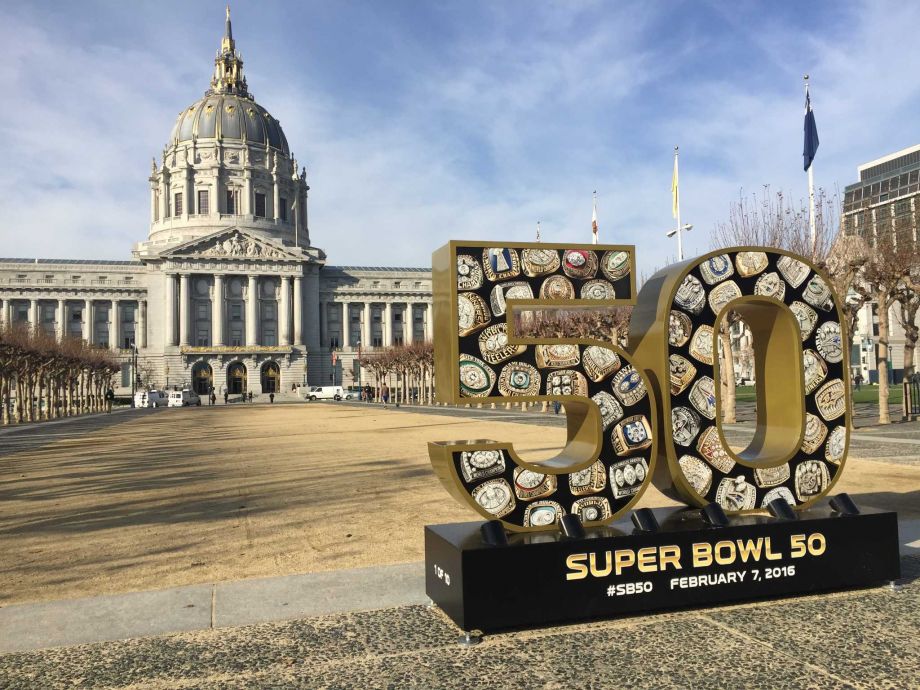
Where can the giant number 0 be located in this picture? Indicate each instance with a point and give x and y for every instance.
(652, 412)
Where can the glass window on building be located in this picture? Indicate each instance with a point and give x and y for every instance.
(269, 335)
(177, 204)
(334, 342)
(268, 310)
(126, 375)
(378, 341)
(236, 337)
(203, 202)
(231, 201)
(21, 313)
(202, 337)
(282, 212)
(260, 205)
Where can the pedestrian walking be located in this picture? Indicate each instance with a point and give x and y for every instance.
(226, 396)
(250, 396)
(213, 397)
(385, 394)
(556, 406)
(857, 379)
(271, 398)
(109, 399)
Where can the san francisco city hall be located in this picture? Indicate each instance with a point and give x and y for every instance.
(227, 289)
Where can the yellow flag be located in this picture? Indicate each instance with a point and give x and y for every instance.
(674, 201)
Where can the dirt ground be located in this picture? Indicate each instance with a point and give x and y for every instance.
(176, 497)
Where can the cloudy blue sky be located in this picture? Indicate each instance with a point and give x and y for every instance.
(424, 121)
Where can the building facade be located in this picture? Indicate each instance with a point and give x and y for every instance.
(886, 199)
(227, 291)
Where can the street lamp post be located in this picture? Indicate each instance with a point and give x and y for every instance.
(686, 227)
(133, 373)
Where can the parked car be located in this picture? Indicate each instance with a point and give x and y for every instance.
(328, 393)
(184, 398)
(150, 399)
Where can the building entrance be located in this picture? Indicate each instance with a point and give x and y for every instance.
(202, 378)
(271, 377)
(236, 378)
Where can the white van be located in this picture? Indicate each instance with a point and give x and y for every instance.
(150, 399)
(327, 393)
(184, 398)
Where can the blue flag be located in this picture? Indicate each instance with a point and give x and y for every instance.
(811, 133)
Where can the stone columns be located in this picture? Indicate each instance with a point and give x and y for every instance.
(284, 311)
(312, 308)
(33, 315)
(387, 324)
(246, 201)
(298, 310)
(217, 311)
(346, 325)
(170, 308)
(323, 323)
(188, 206)
(183, 308)
(429, 322)
(276, 197)
(4, 316)
(115, 324)
(407, 324)
(61, 319)
(252, 301)
(88, 321)
(366, 340)
(153, 203)
(164, 195)
(140, 335)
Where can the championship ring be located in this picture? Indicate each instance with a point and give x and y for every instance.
(557, 356)
(682, 373)
(701, 345)
(734, 493)
(542, 514)
(469, 273)
(632, 434)
(685, 425)
(493, 344)
(716, 269)
(679, 328)
(495, 497)
(566, 382)
(818, 294)
(778, 492)
(806, 316)
(591, 509)
(611, 410)
(811, 477)
(836, 444)
(793, 270)
(722, 294)
(626, 476)
(628, 386)
(579, 263)
(598, 289)
(516, 289)
(476, 377)
(703, 397)
(831, 399)
(751, 263)
(588, 481)
(829, 342)
(615, 265)
(519, 378)
(472, 313)
(696, 472)
(710, 447)
(481, 464)
(529, 485)
(690, 295)
(815, 433)
(539, 262)
(770, 285)
(500, 263)
(815, 369)
(599, 362)
(557, 288)
(771, 476)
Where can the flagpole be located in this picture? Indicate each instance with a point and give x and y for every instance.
(538, 231)
(680, 244)
(811, 192)
(594, 219)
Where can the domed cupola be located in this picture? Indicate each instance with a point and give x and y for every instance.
(228, 111)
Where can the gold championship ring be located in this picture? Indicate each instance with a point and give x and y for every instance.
(579, 263)
(566, 382)
(481, 464)
(818, 294)
(722, 294)
(806, 316)
(701, 345)
(771, 476)
(519, 378)
(831, 399)
(615, 265)
(815, 369)
(495, 497)
(529, 485)
(500, 263)
(811, 477)
(679, 328)
(734, 493)
(516, 289)
(476, 377)
(591, 509)
(628, 386)
(611, 410)
(815, 433)
(836, 444)
(557, 356)
(690, 295)
(829, 342)
(626, 476)
(539, 262)
(716, 269)
(598, 289)
(685, 425)
(703, 397)
(751, 263)
(469, 273)
(793, 270)
(493, 344)
(697, 473)
(710, 447)
(770, 285)
(542, 514)
(682, 373)
(588, 481)
(472, 313)
(631, 434)
(557, 288)
(600, 362)
(779, 492)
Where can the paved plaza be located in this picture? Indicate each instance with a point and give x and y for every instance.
(281, 546)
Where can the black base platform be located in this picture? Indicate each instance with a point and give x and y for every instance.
(544, 578)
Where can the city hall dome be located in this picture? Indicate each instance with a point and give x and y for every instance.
(228, 111)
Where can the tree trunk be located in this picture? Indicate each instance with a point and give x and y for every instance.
(881, 361)
(727, 374)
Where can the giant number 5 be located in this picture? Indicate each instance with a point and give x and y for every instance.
(802, 431)
(607, 462)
